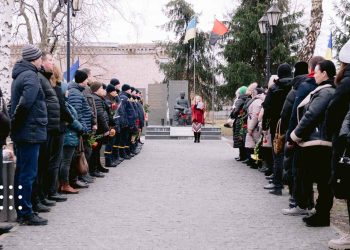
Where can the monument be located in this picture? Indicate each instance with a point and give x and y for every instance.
(182, 115)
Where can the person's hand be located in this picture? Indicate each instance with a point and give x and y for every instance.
(290, 145)
(112, 132)
(94, 128)
(106, 134)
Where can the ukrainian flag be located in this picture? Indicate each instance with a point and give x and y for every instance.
(329, 48)
(191, 30)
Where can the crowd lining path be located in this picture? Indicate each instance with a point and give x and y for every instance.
(174, 195)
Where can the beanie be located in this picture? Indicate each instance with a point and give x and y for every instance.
(110, 88)
(30, 52)
(344, 53)
(301, 68)
(242, 90)
(126, 87)
(95, 86)
(114, 81)
(80, 76)
(284, 71)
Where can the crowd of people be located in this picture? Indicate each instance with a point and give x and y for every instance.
(296, 131)
(58, 130)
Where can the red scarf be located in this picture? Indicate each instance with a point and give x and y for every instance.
(311, 75)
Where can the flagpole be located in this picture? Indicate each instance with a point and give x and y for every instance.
(194, 66)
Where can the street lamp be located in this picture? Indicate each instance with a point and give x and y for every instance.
(75, 5)
(266, 23)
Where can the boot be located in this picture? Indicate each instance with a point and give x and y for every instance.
(67, 189)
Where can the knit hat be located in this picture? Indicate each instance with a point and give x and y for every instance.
(301, 68)
(110, 88)
(30, 52)
(114, 81)
(95, 86)
(344, 53)
(242, 90)
(284, 71)
(80, 76)
(126, 87)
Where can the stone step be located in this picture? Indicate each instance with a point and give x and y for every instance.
(167, 137)
(157, 133)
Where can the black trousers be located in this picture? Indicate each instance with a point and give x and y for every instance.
(48, 167)
(125, 140)
(316, 162)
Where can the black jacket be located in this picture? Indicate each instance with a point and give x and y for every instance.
(28, 108)
(5, 122)
(311, 128)
(101, 115)
(288, 103)
(273, 103)
(52, 103)
(65, 115)
(238, 106)
(339, 105)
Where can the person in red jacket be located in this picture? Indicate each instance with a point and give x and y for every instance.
(198, 110)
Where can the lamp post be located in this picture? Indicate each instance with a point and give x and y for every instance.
(75, 5)
(266, 23)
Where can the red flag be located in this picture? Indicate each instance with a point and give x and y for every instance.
(219, 28)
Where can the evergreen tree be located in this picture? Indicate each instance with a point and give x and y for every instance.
(245, 50)
(180, 65)
(341, 25)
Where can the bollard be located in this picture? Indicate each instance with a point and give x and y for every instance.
(7, 203)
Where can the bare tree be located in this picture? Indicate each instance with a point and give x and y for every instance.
(313, 31)
(6, 14)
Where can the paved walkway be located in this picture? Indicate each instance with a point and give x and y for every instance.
(174, 195)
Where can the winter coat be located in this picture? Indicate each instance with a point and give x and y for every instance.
(311, 128)
(102, 114)
(71, 136)
(28, 107)
(5, 121)
(252, 122)
(80, 104)
(302, 91)
(237, 114)
(338, 107)
(141, 114)
(289, 102)
(52, 103)
(273, 103)
(88, 95)
(126, 112)
(198, 114)
(65, 116)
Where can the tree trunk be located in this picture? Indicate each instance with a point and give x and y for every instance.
(313, 31)
(6, 14)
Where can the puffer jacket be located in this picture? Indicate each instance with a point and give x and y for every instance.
(79, 102)
(88, 94)
(273, 103)
(71, 136)
(52, 103)
(28, 110)
(311, 128)
(338, 107)
(126, 112)
(102, 115)
(252, 122)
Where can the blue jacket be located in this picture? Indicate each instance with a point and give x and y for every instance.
(79, 102)
(126, 112)
(71, 137)
(28, 108)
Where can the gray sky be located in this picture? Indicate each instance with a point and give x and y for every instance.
(147, 17)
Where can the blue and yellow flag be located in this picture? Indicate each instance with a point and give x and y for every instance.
(329, 55)
(191, 30)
